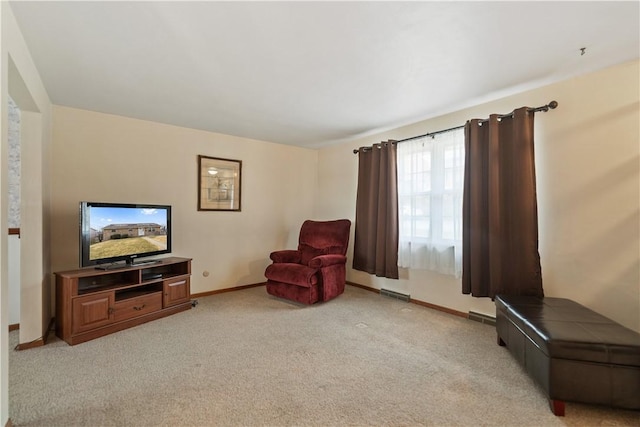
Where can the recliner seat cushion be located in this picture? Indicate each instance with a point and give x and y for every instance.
(307, 252)
(294, 274)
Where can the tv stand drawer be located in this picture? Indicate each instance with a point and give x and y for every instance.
(134, 307)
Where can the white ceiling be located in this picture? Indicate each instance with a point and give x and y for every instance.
(313, 73)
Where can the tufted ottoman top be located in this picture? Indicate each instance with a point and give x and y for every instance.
(564, 329)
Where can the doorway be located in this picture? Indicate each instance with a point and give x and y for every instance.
(13, 214)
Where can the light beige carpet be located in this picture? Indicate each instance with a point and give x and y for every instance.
(247, 359)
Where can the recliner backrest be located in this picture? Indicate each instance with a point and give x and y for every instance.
(323, 238)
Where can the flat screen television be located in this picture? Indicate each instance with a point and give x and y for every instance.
(113, 232)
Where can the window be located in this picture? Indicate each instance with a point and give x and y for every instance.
(430, 184)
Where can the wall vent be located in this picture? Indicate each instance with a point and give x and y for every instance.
(482, 318)
(396, 295)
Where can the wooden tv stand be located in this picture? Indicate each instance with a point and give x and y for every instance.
(91, 303)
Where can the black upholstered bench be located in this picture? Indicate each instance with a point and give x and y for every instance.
(572, 352)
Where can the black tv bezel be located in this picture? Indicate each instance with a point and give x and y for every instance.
(130, 259)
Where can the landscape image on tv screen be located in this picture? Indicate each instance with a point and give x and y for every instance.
(121, 231)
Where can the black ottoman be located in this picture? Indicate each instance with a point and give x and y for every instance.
(572, 352)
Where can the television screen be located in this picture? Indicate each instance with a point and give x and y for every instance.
(111, 232)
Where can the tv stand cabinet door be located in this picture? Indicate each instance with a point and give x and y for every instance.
(176, 291)
(92, 311)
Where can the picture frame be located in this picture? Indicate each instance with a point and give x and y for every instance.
(219, 184)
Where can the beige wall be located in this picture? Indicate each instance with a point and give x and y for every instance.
(278, 191)
(587, 160)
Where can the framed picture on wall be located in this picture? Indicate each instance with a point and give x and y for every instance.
(219, 184)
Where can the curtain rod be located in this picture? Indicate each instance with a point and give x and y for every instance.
(544, 108)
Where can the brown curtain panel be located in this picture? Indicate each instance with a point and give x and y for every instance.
(500, 211)
(376, 226)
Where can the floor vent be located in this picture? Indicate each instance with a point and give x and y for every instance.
(482, 318)
(396, 295)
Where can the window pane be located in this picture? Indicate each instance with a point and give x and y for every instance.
(405, 227)
(448, 179)
(422, 162)
(422, 205)
(422, 182)
(422, 227)
(448, 228)
(449, 158)
(447, 205)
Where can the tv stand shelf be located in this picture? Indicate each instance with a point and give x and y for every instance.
(91, 302)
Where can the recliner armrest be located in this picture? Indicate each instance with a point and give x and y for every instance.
(287, 255)
(327, 260)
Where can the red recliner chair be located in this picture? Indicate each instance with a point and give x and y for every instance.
(317, 270)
